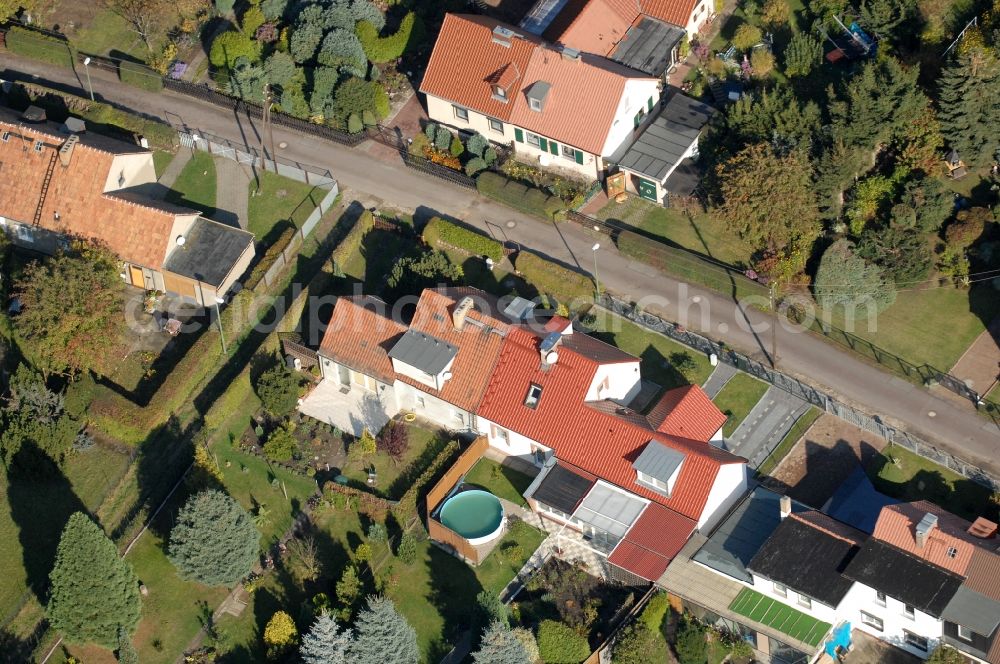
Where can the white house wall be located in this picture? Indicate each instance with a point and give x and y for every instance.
(730, 484)
(699, 15)
(516, 444)
(635, 98)
(129, 170)
(441, 110)
(818, 610)
(623, 382)
(862, 598)
(434, 408)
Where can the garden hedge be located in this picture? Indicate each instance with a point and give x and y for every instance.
(571, 288)
(140, 76)
(386, 49)
(559, 644)
(406, 508)
(518, 195)
(687, 266)
(439, 231)
(270, 256)
(38, 46)
(351, 243)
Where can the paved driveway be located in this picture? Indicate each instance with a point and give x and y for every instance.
(766, 425)
(352, 412)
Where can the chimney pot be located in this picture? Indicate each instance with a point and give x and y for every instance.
(785, 504)
(924, 528)
(460, 311)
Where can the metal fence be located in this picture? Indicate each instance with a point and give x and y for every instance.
(816, 397)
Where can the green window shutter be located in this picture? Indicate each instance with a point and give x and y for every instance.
(579, 157)
(518, 135)
(636, 120)
(542, 144)
(554, 147)
(649, 104)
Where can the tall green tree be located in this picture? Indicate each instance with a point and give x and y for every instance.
(499, 645)
(214, 540)
(768, 198)
(325, 642)
(883, 17)
(383, 635)
(278, 389)
(803, 54)
(845, 279)
(34, 413)
(903, 254)
(93, 591)
(877, 104)
(969, 106)
(73, 312)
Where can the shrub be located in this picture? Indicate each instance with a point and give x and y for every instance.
(225, 6)
(554, 279)
(354, 124)
(476, 145)
(269, 257)
(368, 118)
(407, 549)
(394, 440)
(281, 444)
(278, 389)
(342, 48)
(456, 148)
(230, 46)
(356, 95)
(490, 155)
(351, 243)
(475, 165)
(214, 540)
(761, 62)
(252, 19)
(377, 533)
(280, 68)
(386, 49)
(406, 508)
(139, 76)
(430, 131)
(304, 42)
(747, 36)
(273, 9)
(442, 138)
(691, 646)
(279, 634)
(517, 195)
(440, 231)
(559, 644)
(637, 645)
(39, 46)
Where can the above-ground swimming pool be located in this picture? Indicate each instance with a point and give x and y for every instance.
(474, 514)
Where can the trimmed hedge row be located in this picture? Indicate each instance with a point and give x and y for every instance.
(352, 241)
(440, 231)
(571, 288)
(140, 76)
(518, 195)
(386, 49)
(270, 256)
(689, 268)
(39, 46)
(406, 508)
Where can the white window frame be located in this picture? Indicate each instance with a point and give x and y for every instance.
(804, 602)
(121, 178)
(6, 136)
(952, 552)
(534, 140)
(567, 152)
(419, 401)
(535, 104)
(458, 111)
(915, 640)
(880, 598)
(459, 416)
(964, 632)
(909, 612)
(501, 434)
(872, 621)
(533, 396)
(780, 589)
(496, 125)
(499, 93)
(38, 146)
(651, 482)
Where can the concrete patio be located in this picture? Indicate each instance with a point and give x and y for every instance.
(351, 410)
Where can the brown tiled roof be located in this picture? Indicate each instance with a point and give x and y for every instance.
(652, 542)
(360, 335)
(688, 412)
(478, 344)
(582, 100)
(677, 12)
(983, 572)
(897, 523)
(137, 233)
(594, 26)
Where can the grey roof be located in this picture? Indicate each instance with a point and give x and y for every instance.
(610, 510)
(519, 308)
(418, 349)
(563, 488)
(660, 146)
(658, 461)
(541, 15)
(209, 252)
(647, 46)
(538, 90)
(974, 610)
(740, 536)
(857, 503)
(685, 178)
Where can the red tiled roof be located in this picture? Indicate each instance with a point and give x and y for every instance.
(478, 344)
(593, 439)
(677, 12)
(360, 335)
(138, 234)
(897, 523)
(594, 26)
(583, 97)
(687, 412)
(652, 542)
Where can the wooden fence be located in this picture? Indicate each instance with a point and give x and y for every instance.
(439, 532)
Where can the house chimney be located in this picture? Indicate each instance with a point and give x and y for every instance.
(66, 149)
(983, 528)
(924, 528)
(547, 348)
(785, 505)
(460, 311)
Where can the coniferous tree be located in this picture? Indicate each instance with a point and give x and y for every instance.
(126, 653)
(325, 642)
(804, 53)
(94, 592)
(844, 278)
(214, 540)
(499, 645)
(383, 635)
(969, 107)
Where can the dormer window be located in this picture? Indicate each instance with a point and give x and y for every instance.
(536, 94)
(536, 104)
(499, 93)
(121, 179)
(658, 467)
(534, 395)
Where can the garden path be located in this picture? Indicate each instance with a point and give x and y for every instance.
(175, 167)
(232, 188)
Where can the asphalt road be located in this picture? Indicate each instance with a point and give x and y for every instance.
(951, 425)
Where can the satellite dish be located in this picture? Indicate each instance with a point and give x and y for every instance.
(552, 357)
(446, 375)
(180, 240)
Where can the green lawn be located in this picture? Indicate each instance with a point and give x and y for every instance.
(933, 326)
(379, 252)
(502, 481)
(394, 476)
(195, 186)
(781, 617)
(161, 159)
(702, 233)
(899, 473)
(788, 442)
(737, 398)
(659, 355)
(108, 31)
(280, 199)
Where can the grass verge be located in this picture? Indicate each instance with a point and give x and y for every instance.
(737, 398)
(788, 442)
(502, 481)
(195, 185)
(280, 199)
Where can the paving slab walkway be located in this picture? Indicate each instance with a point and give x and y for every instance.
(768, 422)
(231, 193)
(979, 366)
(723, 372)
(174, 168)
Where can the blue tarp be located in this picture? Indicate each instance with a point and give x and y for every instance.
(857, 503)
(840, 638)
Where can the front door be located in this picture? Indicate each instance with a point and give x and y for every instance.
(345, 375)
(647, 189)
(136, 275)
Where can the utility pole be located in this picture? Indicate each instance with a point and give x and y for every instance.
(774, 330)
(265, 130)
(270, 125)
